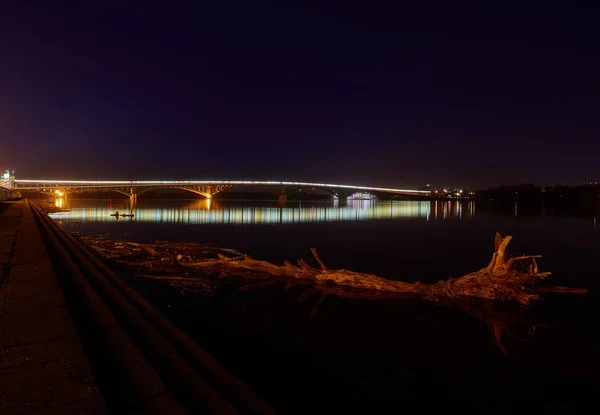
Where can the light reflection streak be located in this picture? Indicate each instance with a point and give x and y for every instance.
(212, 212)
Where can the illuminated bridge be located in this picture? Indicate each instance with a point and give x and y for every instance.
(207, 188)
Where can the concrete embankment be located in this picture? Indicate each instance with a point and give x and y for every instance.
(8, 194)
(43, 368)
(141, 362)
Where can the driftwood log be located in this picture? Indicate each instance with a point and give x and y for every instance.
(190, 266)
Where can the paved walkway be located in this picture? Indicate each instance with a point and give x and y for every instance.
(43, 368)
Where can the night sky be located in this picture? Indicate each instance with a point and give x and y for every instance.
(353, 92)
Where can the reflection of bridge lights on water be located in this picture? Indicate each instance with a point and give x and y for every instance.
(211, 212)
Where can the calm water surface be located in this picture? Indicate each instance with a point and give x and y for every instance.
(378, 356)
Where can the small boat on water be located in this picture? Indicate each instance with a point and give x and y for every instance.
(122, 215)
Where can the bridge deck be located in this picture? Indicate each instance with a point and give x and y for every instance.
(28, 184)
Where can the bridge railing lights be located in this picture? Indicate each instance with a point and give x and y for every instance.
(74, 184)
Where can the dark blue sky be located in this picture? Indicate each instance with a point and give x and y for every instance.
(369, 94)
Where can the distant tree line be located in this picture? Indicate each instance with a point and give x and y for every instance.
(582, 194)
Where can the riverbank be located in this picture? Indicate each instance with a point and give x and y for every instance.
(44, 368)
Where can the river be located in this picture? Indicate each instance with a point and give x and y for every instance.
(376, 356)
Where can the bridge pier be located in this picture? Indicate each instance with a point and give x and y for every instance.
(59, 198)
(283, 191)
(132, 202)
(342, 195)
(132, 196)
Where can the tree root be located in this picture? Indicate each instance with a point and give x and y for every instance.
(504, 278)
